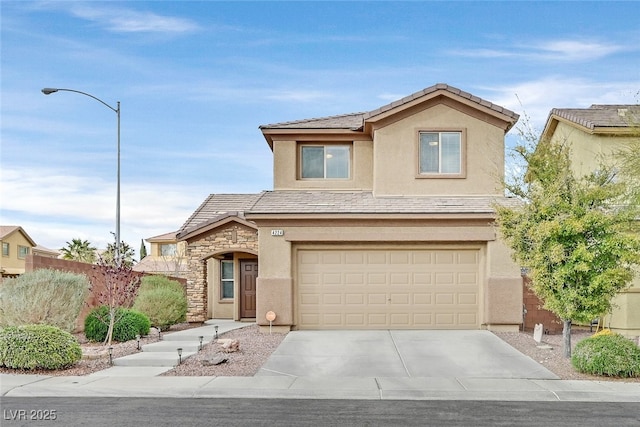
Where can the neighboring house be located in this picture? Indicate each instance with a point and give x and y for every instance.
(166, 256)
(594, 133)
(16, 246)
(377, 220)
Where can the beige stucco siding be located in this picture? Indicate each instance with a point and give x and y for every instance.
(396, 155)
(496, 279)
(286, 165)
(588, 150)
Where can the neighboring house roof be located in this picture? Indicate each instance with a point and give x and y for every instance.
(163, 237)
(166, 265)
(42, 250)
(364, 202)
(357, 121)
(7, 230)
(596, 117)
(217, 208)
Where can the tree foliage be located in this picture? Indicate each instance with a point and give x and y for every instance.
(143, 249)
(126, 255)
(573, 234)
(79, 250)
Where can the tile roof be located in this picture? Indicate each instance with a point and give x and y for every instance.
(356, 120)
(216, 207)
(363, 202)
(601, 115)
(162, 237)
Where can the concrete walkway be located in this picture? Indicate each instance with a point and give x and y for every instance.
(422, 377)
(162, 356)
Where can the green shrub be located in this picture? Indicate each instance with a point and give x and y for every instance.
(128, 324)
(158, 281)
(38, 347)
(163, 306)
(608, 354)
(43, 296)
(96, 324)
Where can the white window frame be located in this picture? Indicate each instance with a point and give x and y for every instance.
(224, 280)
(348, 147)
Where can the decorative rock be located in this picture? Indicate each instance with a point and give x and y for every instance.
(214, 360)
(229, 345)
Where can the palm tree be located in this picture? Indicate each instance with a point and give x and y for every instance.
(79, 250)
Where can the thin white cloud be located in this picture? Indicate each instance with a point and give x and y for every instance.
(54, 207)
(536, 98)
(122, 20)
(553, 50)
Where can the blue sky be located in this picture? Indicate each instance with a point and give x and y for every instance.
(196, 79)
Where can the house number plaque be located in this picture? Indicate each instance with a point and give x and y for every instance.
(277, 232)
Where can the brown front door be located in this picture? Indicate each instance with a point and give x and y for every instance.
(248, 275)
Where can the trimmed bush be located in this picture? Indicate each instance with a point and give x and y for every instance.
(163, 306)
(128, 324)
(609, 355)
(43, 296)
(38, 347)
(131, 324)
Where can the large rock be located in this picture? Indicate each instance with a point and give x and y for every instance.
(214, 360)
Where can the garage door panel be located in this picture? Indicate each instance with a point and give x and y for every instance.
(381, 289)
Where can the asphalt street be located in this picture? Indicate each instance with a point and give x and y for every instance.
(127, 411)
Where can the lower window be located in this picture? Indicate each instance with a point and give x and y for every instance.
(226, 279)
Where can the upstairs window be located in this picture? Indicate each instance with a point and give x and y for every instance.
(168, 249)
(325, 161)
(441, 153)
(23, 251)
(5, 249)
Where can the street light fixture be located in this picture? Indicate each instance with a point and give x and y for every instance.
(49, 91)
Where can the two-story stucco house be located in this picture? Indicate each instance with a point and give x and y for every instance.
(377, 220)
(594, 133)
(17, 245)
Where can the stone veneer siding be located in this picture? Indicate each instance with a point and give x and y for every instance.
(232, 238)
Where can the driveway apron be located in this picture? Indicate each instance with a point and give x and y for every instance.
(435, 354)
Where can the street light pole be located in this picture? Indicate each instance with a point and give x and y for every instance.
(49, 91)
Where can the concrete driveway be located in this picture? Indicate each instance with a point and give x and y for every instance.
(435, 354)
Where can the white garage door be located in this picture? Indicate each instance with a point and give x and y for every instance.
(388, 289)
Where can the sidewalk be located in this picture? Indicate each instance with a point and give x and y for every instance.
(136, 376)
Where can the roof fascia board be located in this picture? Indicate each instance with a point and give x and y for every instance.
(445, 97)
(302, 134)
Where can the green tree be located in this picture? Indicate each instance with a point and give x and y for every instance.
(126, 254)
(143, 249)
(79, 250)
(570, 233)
